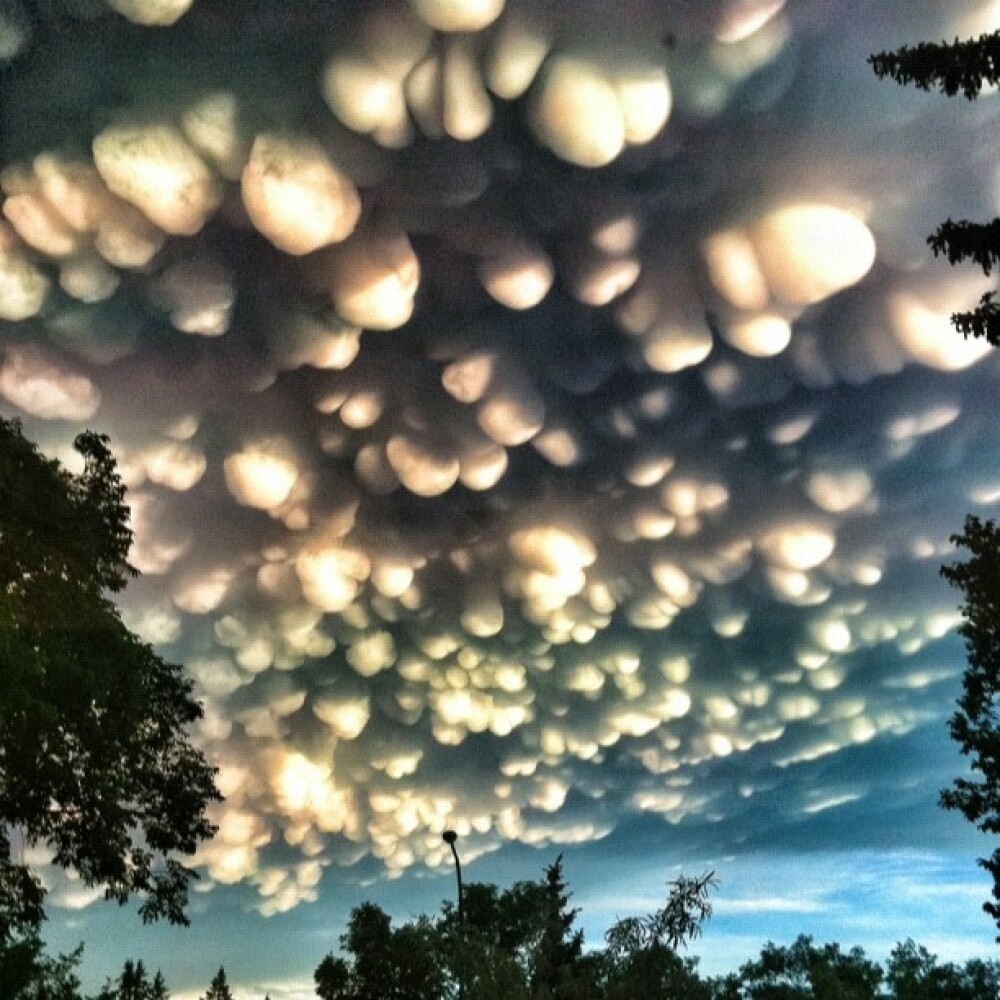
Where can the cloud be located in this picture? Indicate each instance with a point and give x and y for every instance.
(530, 427)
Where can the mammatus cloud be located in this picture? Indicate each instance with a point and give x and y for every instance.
(530, 421)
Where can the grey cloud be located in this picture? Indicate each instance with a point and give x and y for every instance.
(494, 473)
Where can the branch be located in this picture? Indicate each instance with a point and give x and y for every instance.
(983, 321)
(958, 66)
(958, 241)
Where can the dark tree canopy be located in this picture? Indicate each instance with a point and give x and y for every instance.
(913, 973)
(134, 984)
(951, 67)
(520, 943)
(387, 963)
(218, 989)
(975, 726)
(95, 761)
(557, 957)
(966, 67)
(804, 971)
(27, 973)
(957, 67)
(508, 936)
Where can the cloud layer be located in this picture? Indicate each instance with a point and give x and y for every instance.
(530, 421)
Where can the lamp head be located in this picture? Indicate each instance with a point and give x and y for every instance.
(449, 836)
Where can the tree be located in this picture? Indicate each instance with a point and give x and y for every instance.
(490, 951)
(95, 761)
(805, 972)
(387, 963)
(641, 957)
(959, 66)
(218, 989)
(27, 973)
(975, 726)
(332, 977)
(158, 991)
(134, 984)
(520, 944)
(556, 964)
(913, 973)
(655, 973)
(966, 67)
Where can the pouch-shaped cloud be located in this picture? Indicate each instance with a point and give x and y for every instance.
(924, 328)
(808, 252)
(261, 475)
(367, 99)
(43, 387)
(800, 546)
(346, 717)
(518, 276)
(331, 577)
(23, 287)
(458, 15)
(519, 48)
(577, 114)
(152, 12)
(154, 168)
(745, 18)
(421, 467)
(198, 293)
(373, 280)
(295, 196)
(641, 500)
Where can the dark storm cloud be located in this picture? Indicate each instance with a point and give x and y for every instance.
(531, 422)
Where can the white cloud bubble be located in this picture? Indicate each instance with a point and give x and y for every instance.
(295, 196)
(42, 386)
(641, 488)
(153, 168)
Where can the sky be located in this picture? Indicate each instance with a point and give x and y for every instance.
(541, 420)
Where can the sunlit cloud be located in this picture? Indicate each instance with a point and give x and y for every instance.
(530, 426)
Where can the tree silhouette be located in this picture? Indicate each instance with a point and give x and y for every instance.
(218, 989)
(913, 973)
(95, 761)
(387, 963)
(975, 726)
(332, 978)
(803, 971)
(27, 973)
(158, 991)
(966, 67)
(518, 944)
(134, 984)
(957, 67)
(560, 947)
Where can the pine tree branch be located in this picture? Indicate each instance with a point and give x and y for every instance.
(958, 66)
(983, 321)
(958, 241)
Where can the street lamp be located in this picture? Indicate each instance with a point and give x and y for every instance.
(449, 837)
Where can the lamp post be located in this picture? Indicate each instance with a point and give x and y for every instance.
(449, 837)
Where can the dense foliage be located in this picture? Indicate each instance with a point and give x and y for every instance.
(957, 67)
(951, 67)
(967, 67)
(219, 987)
(134, 984)
(975, 726)
(522, 943)
(95, 762)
